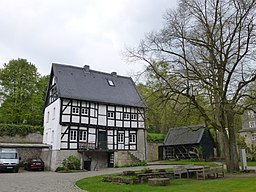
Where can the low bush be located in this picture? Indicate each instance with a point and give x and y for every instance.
(71, 163)
(22, 130)
(135, 164)
(155, 137)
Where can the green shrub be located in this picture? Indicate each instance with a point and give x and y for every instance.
(59, 169)
(22, 130)
(135, 164)
(71, 163)
(155, 137)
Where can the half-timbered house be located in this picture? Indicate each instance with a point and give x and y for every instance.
(96, 116)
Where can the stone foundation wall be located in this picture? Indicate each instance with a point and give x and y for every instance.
(31, 138)
(152, 151)
(54, 158)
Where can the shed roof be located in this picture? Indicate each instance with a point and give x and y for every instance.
(84, 84)
(185, 135)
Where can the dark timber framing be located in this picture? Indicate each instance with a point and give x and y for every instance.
(72, 119)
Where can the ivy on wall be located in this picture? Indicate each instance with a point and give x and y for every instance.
(22, 130)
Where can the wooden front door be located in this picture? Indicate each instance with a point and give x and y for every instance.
(102, 140)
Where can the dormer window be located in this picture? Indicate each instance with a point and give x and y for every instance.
(111, 83)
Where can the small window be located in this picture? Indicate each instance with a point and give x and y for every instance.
(84, 111)
(252, 124)
(73, 135)
(82, 136)
(134, 116)
(48, 116)
(52, 139)
(254, 137)
(132, 138)
(120, 138)
(110, 83)
(126, 116)
(75, 110)
(111, 115)
(53, 113)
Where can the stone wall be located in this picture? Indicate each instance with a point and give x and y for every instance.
(26, 153)
(124, 157)
(152, 151)
(31, 138)
(54, 158)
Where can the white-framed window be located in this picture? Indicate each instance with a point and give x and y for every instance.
(73, 135)
(110, 83)
(252, 124)
(53, 113)
(132, 138)
(251, 114)
(84, 111)
(46, 137)
(254, 137)
(120, 138)
(111, 115)
(134, 116)
(52, 137)
(75, 110)
(82, 135)
(126, 116)
(47, 116)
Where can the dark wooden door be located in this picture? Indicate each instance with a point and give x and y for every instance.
(102, 140)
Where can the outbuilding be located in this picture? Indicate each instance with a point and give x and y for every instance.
(187, 142)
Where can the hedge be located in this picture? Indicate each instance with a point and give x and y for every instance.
(22, 130)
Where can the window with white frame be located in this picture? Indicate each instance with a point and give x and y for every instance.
(75, 110)
(132, 138)
(134, 116)
(82, 135)
(254, 137)
(252, 124)
(84, 111)
(52, 137)
(73, 135)
(126, 116)
(48, 116)
(111, 115)
(53, 113)
(120, 138)
(46, 137)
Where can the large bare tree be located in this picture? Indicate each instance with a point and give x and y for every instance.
(209, 46)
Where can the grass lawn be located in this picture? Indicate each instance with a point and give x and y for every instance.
(94, 184)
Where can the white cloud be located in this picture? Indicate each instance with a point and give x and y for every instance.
(78, 32)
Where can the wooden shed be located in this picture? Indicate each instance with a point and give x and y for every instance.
(187, 142)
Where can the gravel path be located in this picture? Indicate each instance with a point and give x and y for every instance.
(46, 181)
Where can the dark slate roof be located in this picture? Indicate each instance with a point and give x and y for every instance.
(84, 84)
(184, 135)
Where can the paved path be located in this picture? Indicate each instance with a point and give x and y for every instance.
(25, 181)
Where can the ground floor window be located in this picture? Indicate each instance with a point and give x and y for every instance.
(120, 138)
(73, 135)
(132, 138)
(82, 136)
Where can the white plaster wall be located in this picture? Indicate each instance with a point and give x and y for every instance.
(52, 125)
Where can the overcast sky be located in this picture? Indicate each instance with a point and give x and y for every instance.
(77, 32)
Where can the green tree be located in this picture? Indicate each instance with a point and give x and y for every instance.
(21, 93)
(210, 48)
(165, 112)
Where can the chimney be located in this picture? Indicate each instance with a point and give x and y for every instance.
(86, 68)
(114, 74)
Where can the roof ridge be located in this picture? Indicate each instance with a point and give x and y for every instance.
(91, 70)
